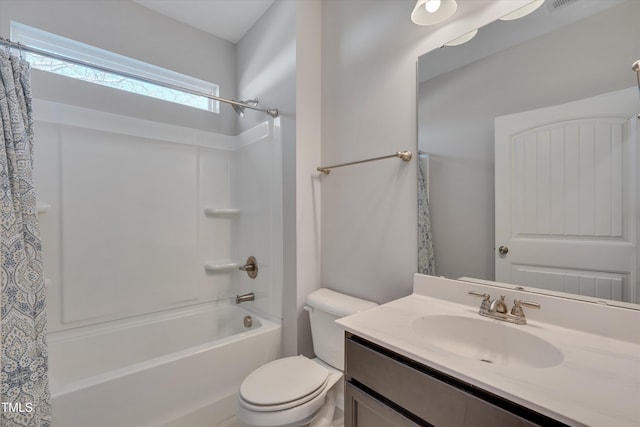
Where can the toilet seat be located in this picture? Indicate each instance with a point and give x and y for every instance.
(283, 384)
(295, 412)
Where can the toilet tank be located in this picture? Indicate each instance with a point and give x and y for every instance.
(325, 306)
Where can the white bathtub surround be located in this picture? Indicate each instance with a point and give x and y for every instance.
(162, 367)
(129, 230)
(596, 382)
(140, 327)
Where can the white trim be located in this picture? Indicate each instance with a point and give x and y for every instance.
(54, 112)
(71, 115)
(255, 134)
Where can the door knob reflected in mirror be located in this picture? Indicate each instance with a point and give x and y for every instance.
(503, 250)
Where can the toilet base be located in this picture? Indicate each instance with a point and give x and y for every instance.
(324, 417)
(317, 412)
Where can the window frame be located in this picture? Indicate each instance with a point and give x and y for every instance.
(63, 46)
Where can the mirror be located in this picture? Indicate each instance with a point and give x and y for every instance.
(546, 104)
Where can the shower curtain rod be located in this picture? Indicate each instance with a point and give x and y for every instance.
(273, 112)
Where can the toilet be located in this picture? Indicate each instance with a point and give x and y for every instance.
(298, 391)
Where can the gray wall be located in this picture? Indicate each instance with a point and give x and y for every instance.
(279, 63)
(267, 71)
(369, 57)
(266, 64)
(129, 29)
(456, 116)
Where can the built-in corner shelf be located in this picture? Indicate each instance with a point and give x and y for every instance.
(42, 207)
(215, 266)
(221, 212)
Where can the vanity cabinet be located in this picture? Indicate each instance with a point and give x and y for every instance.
(385, 389)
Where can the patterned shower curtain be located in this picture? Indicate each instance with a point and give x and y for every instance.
(23, 325)
(426, 259)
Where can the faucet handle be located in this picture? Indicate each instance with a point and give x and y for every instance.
(251, 267)
(517, 307)
(478, 294)
(486, 299)
(528, 304)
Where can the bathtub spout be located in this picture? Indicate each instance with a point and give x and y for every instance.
(245, 298)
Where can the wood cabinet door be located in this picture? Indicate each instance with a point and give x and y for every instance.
(363, 410)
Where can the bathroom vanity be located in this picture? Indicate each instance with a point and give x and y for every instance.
(384, 388)
(431, 359)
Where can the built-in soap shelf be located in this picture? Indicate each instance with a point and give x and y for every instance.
(42, 207)
(221, 212)
(216, 266)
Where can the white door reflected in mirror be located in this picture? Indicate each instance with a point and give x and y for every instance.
(565, 197)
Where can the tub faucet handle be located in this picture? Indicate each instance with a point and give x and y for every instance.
(251, 267)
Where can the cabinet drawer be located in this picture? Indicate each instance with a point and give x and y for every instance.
(433, 400)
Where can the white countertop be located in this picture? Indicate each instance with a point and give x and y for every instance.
(596, 384)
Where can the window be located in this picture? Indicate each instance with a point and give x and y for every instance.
(60, 45)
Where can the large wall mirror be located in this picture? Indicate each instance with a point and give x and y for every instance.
(528, 142)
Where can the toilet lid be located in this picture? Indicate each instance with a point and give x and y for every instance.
(283, 380)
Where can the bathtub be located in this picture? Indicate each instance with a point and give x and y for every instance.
(153, 369)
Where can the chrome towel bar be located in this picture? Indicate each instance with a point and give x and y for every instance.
(403, 155)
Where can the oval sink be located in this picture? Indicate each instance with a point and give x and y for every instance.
(487, 341)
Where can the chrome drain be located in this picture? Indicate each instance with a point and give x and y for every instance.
(248, 321)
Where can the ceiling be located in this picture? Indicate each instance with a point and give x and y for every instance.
(227, 19)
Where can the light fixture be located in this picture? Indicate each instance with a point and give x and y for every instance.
(523, 11)
(432, 6)
(462, 39)
(431, 12)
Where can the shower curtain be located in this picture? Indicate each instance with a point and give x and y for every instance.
(426, 259)
(23, 365)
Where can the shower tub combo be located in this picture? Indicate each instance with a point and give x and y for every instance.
(142, 331)
(151, 370)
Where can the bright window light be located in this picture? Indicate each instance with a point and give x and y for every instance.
(56, 44)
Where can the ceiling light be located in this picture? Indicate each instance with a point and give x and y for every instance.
(523, 11)
(431, 12)
(432, 6)
(462, 39)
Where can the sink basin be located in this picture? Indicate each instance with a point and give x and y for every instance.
(487, 341)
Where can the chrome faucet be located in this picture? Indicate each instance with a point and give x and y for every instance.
(497, 309)
(498, 306)
(245, 298)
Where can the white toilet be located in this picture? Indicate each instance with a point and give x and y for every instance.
(298, 391)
